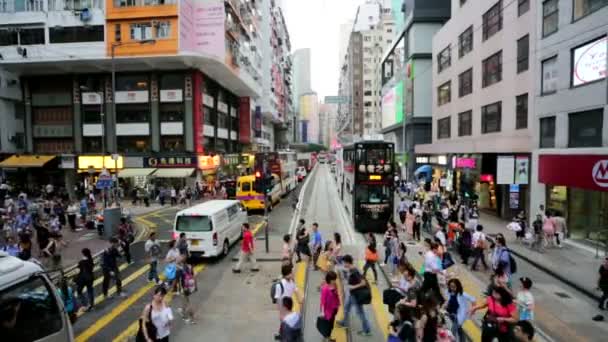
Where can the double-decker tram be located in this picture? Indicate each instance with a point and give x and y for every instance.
(366, 183)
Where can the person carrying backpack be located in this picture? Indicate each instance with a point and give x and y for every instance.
(109, 268)
(502, 257)
(153, 253)
(284, 288)
(402, 329)
(291, 324)
(358, 296)
(189, 285)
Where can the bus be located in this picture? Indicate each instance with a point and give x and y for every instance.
(366, 183)
(289, 166)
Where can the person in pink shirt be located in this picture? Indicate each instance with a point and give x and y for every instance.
(330, 302)
(549, 229)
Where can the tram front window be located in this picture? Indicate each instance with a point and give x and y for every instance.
(372, 193)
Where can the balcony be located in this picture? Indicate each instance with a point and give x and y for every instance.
(74, 5)
(139, 3)
(13, 6)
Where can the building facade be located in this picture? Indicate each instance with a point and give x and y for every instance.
(134, 79)
(406, 79)
(301, 83)
(570, 120)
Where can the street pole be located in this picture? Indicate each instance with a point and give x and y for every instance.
(103, 156)
(113, 87)
(266, 223)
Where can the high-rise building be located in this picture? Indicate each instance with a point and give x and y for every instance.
(301, 78)
(159, 84)
(343, 37)
(309, 118)
(569, 113)
(406, 76)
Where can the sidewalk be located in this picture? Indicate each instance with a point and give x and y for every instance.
(573, 264)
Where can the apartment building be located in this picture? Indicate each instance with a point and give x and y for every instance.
(135, 78)
(406, 79)
(301, 85)
(570, 118)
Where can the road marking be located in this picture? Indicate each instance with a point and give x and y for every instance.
(132, 329)
(300, 279)
(106, 319)
(112, 290)
(339, 333)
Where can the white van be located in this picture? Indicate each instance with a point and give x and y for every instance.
(30, 307)
(211, 227)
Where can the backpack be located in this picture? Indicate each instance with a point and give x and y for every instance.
(189, 282)
(155, 251)
(273, 290)
(512, 263)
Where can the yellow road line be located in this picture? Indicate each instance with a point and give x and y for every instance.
(378, 307)
(339, 333)
(300, 279)
(112, 290)
(131, 330)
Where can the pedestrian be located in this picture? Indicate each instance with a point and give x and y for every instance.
(302, 244)
(189, 286)
(523, 331)
(525, 300)
(402, 210)
(247, 250)
(317, 244)
(502, 256)
(549, 229)
(172, 272)
(85, 279)
(402, 328)
(160, 315)
(500, 316)
(11, 247)
(537, 225)
(66, 293)
(109, 268)
(72, 212)
(286, 250)
(457, 306)
(356, 285)
(173, 196)
(52, 252)
(387, 242)
(371, 258)
(409, 222)
(153, 251)
(479, 246)
(561, 229)
(330, 303)
(408, 287)
(182, 245)
(23, 221)
(602, 284)
(336, 258)
(126, 237)
(25, 247)
(287, 289)
(432, 268)
(394, 245)
(416, 227)
(291, 323)
(465, 241)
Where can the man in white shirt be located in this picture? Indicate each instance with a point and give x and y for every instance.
(287, 288)
(478, 245)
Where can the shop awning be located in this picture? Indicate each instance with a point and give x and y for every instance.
(126, 173)
(25, 161)
(173, 173)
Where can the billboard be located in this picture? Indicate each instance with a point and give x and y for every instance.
(392, 106)
(202, 27)
(589, 62)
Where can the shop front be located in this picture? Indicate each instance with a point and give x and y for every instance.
(33, 172)
(90, 167)
(577, 188)
(172, 170)
(434, 172)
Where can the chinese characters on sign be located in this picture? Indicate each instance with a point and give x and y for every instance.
(209, 162)
(161, 162)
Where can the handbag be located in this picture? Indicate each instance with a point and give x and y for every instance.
(324, 326)
(363, 295)
(489, 324)
(323, 262)
(170, 271)
(447, 261)
(149, 326)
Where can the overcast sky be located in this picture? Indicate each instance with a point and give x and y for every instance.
(316, 24)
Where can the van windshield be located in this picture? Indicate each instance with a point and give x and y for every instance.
(193, 224)
(245, 186)
(27, 305)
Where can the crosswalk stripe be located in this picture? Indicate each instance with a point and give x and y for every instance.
(339, 333)
(382, 318)
(131, 330)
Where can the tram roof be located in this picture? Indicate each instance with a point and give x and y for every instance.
(368, 142)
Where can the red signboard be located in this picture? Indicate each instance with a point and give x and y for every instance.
(244, 120)
(197, 111)
(466, 163)
(578, 171)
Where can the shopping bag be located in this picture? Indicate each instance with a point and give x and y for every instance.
(324, 327)
(323, 262)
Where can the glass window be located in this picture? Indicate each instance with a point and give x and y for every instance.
(53, 146)
(549, 71)
(372, 193)
(444, 59)
(91, 114)
(522, 7)
(222, 120)
(92, 145)
(465, 123)
(521, 111)
(172, 143)
(163, 29)
(52, 115)
(29, 304)
(443, 128)
(8, 37)
(465, 42)
(465, 83)
(550, 17)
(117, 33)
(584, 7)
(171, 81)
(132, 82)
(492, 20)
(133, 144)
(492, 69)
(171, 112)
(141, 31)
(246, 186)
(585, 128)
(444, 93)
(547, 132)
(209, 116)
(31, 36)
(129, 113)
(193, 224)
(76, 34)
(523, 50)
(491, 118)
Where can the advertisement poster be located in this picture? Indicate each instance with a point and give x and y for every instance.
(514, 200)
(505, 170)
(522, 170)
(202, 27)
(589, 62)
(388, 108)
(244, 120)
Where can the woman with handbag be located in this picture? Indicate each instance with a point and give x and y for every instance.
(330, 302)
(155, 321)
(500, 317)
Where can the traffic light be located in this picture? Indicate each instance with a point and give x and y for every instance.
(258, 185)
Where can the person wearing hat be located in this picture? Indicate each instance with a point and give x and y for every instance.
(525, 300)
(523, 331)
